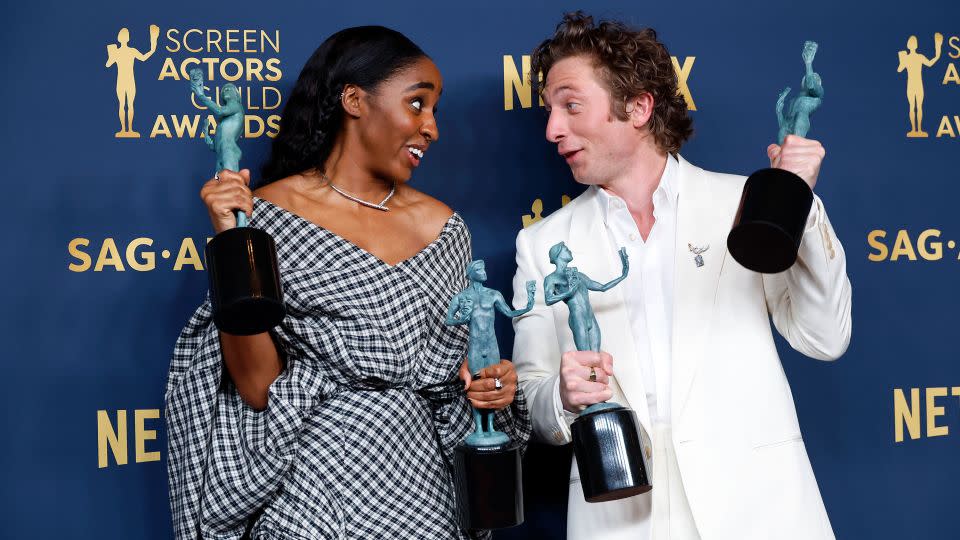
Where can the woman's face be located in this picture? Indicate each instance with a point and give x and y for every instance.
(400, 121)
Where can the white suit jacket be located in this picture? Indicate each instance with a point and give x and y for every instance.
(739, 448)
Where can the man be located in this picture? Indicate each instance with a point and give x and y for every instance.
(687, 341)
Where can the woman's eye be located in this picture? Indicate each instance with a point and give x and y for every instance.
(417, 104)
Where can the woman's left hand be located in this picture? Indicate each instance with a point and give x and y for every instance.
(482, 392)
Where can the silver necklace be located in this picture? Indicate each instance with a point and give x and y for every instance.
(381, 206)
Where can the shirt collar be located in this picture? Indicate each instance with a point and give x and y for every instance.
(665, 194)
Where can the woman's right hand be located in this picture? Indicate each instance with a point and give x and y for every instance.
(226, 195)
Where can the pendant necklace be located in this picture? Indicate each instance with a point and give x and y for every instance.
(381, 206)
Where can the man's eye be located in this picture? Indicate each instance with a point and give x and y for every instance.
(573, 106)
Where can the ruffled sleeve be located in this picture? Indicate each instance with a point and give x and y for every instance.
(225, 459)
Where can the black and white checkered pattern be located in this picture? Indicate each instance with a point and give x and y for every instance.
(358, 434)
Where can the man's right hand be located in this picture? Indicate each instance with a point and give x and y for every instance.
(222, 197)
(577, 392)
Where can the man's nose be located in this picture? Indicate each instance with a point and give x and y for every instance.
(556, 127)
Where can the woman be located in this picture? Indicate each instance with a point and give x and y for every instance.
(340, 422)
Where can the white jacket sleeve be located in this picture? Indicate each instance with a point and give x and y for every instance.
(810, 303)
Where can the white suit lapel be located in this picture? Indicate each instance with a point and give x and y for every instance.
(705, 214)
(594, 255)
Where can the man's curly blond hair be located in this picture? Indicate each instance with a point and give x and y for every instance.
(630, 62)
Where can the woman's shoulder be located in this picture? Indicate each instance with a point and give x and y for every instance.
(442, 228)
(430, 214)
(279, 192)
(425, 208)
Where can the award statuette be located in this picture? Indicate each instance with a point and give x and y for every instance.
(775, 203)
(606, 436)
(487, 472)
(245, 288)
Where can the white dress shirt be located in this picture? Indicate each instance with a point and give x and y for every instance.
(648, 289)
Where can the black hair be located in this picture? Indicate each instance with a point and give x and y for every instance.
(365, 56)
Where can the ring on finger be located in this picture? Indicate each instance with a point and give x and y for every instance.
(593, 374)
(497, 383)
(216, 176)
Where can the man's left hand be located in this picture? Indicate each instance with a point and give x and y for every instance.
(800, 156)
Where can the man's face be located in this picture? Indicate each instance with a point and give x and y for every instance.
(595, 143)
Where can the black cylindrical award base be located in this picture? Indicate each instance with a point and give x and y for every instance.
(489, 484)
(245, 285)
(770, 222)
(610, 455)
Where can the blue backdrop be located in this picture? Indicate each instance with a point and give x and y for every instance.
(104, 233)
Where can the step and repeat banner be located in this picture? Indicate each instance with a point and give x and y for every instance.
(103, 160)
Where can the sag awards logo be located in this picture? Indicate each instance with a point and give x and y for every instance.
(917, 62)
(245, 59)
(123, 57)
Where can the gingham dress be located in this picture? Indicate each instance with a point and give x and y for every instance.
(357, 437)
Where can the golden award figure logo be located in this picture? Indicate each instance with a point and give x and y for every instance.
(124, 56)
(913, 63)
(537, 211)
